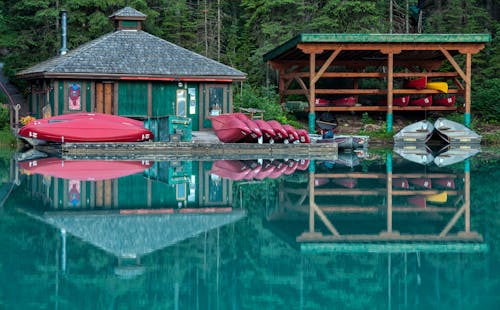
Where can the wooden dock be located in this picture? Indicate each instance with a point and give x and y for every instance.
(197, 150)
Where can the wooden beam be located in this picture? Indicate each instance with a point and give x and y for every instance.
(303, 86)
(453, 221)
(454, 64)
(312, 83)
(327, 64)
(325, 220)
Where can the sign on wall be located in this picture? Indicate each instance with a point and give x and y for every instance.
(74, 103)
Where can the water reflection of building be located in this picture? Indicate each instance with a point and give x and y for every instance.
(134, 215)
(400, 209)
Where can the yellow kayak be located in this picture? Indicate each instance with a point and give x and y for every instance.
(441, 86)
(440, 198)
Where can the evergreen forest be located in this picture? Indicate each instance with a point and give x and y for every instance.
(239, 32)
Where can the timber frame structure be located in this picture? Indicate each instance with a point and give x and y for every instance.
(310, 64)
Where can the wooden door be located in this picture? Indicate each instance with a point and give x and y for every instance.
(104, 97)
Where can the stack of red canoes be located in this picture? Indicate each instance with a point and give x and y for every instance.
(237, 127)
(341, 102)
(85, 127)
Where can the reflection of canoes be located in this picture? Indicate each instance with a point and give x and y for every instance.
(400, 183)
(444, 183)
(321, 181)
(419, 132)
(418, 201)
(437, 198)
(346, 182)
(84, 170)
(229, 128)
(421, 182)
(455, 154)
(231, 169)
(420, 155)
(422, 102)
(453, 132)
(441, 86)
(446, 101)
(419, 83)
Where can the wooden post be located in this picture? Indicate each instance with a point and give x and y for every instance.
(468, 81)
(311, 202)
(390, 86)
(467, 195)
(312, 91)
(389, 192)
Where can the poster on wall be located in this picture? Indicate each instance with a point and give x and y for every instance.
(74, 193)
(74, 98)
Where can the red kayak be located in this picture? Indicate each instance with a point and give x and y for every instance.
(84, 129)
(291, 132)
(422, 102)
(84, 170)
(267, 131)
(256, 132)
(281, 133)
(303, 136)
(447, 101)
(344, 102)
(419, 83)
(229, 128)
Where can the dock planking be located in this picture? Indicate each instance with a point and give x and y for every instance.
(198, 150)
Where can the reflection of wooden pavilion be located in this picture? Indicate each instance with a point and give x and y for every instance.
(311, 64)
(433, 228)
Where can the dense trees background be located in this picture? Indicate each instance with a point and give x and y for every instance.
(239, 32)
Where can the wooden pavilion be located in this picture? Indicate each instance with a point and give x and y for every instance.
(332, 65)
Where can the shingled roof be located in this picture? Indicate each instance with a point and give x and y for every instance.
(132, 53)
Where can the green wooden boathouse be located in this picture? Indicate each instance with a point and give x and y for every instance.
(132, 73)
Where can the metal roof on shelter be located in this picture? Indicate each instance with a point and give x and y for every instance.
(128, 12)
(288, 50)
(132, 53)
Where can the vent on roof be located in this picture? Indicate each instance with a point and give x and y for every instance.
(128, 19)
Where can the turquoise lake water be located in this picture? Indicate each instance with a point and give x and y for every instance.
(370, 230)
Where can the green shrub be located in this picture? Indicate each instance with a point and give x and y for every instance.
(486, 100)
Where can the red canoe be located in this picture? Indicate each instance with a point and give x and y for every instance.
(291, 166)
(230, 169)
(254, 167)
(292, 132)
(447, 101)
(84, 170)
(303, 164)
(401, 101)
(266, 170)
(320, 102)
(102, 116)
(267, 131)
(281, 133)
(84, 129)
(256, 132)
(280, 169)
(303, 136)
(344, 102)
(419, 83)
(229, 128)
(422, 102)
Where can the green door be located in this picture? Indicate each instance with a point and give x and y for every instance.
(215, 102)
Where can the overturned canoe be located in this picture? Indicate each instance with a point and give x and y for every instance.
(419, 83)
(453, 132)
(445, 102)
(419, 132)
